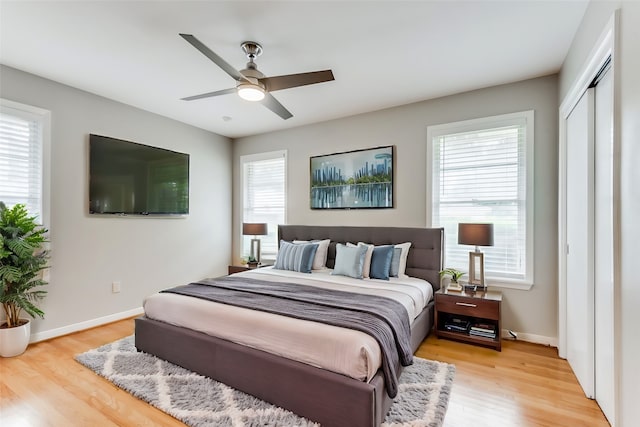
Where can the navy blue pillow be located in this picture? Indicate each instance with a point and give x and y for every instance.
(381, 262)
(296, 257)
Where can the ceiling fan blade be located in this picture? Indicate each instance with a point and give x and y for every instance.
(295, 80)
(214, 57)
(271, 103)
(210, 94)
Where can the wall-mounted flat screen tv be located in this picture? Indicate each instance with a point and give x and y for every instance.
(128, 178)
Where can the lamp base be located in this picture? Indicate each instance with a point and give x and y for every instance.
(255, 249)
(476, 269)
(475, 288)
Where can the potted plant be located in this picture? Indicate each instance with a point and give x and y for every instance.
(455, 276)
(22, 258)
(252, 262)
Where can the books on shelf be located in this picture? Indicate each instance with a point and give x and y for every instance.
(471, 327)
(457, 325)
(482, 334)
(486, 330)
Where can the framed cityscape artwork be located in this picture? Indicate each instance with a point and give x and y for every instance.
(361, 179)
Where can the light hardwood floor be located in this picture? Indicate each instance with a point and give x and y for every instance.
(524, 385)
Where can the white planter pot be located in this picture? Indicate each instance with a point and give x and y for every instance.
(14, 341)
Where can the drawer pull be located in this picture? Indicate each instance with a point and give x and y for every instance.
(466, 304)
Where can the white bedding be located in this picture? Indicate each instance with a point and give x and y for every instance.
(345, 351)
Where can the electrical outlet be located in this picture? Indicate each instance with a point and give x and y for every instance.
(115, 287)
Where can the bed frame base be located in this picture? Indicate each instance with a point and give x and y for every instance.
(328, 398)
(314, 393)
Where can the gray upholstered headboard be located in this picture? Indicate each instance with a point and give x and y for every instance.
(425, 255)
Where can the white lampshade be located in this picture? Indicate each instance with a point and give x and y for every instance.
(250, 92)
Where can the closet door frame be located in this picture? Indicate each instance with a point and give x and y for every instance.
(605, 48)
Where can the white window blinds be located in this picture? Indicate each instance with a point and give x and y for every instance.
(482, 173)
(21, 158)
(264, 198)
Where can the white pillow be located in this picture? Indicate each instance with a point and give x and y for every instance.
(320, 260)
(403, 258)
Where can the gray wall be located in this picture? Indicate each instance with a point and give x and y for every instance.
(627, 118)
(534, 311)
(145, 254)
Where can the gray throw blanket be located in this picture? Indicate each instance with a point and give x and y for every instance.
(386, 320)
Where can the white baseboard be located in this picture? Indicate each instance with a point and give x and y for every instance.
(58, 332)
(533, 338)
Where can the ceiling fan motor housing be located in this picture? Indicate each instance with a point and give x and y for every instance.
(252, 50)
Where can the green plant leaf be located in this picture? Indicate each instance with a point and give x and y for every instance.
(21, 259)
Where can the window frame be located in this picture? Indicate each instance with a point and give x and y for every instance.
(269, 155)
(43, 116)
(480, 124)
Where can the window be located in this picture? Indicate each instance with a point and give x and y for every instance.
(483, 172)
(263, 185)
(24, 132)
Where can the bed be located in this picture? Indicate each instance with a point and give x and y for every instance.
(330, 398)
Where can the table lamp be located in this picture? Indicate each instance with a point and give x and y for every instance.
(255, 229)
(476, 235)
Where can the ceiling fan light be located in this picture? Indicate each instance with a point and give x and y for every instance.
(250, 92)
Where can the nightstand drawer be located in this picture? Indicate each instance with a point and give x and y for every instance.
(474, 307)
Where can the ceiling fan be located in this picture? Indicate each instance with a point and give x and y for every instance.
(251, 84)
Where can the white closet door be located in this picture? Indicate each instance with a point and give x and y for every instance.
(604, 332)
(580, 256)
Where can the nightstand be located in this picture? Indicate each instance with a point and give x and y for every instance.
(240, 268)
(472, 317)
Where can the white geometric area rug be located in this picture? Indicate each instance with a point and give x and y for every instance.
(198, 401)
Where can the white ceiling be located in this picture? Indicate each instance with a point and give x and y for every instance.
(382, 53)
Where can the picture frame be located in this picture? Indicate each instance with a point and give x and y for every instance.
(359, 179)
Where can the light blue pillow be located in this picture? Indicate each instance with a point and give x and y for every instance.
(296, 257)
(381, 262)
(394, 270)
(349, 261)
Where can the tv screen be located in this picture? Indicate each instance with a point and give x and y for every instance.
(134, 179)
